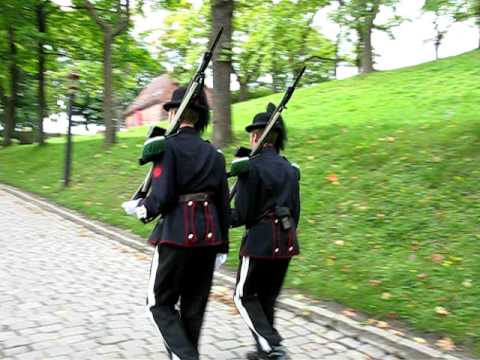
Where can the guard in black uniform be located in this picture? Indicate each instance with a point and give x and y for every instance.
(190, 193)
(268, 204)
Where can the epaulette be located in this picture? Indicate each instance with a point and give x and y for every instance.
(152, 149)
(296, 166)
(240, 166)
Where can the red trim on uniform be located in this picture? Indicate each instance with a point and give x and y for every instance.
(157, 171)
(194, 230)
(174, 243)
(289, 238)
(211, 224)
(207, 222)
(185, 223)
(244, 252)
(274, 235)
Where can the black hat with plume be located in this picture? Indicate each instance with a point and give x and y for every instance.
(260, 121)
(199, 104)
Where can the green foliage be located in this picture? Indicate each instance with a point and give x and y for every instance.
(277, 38)
(184, 39)
(359, 18)
(252, 94)
(73, 42)
(17, 15)
(271, 38)
(390, 196)
(461, 10)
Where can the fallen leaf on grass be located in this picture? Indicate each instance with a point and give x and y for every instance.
(467, 283)
(375, 282)
(438, 258)
(333, 178)
(339, 242)
(422, 276)
(386, 296)
(445, 344)
(440, 310)
(392, 315)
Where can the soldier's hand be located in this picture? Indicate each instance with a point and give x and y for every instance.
(220, 260)
(130, 207)
(242, 152)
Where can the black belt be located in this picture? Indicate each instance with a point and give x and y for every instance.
(280, 213)
(201, 196)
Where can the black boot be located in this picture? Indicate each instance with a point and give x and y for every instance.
(253, 355)
(278, 353)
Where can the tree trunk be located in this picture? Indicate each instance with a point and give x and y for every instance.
(274, 74)
(12, 99)
(367, 50)
(222, 14)
(110, 128)
(478, 22)
(243, 90)
(109, 34)
(337, 52)
(42, 104)
(359, 48)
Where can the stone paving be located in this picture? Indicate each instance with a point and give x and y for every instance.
(69, 293)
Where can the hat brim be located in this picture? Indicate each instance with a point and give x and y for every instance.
(176, 104)
(252, 127)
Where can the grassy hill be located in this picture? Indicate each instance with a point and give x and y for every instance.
(390, 190)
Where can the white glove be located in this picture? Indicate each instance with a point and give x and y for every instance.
(130, 207)
(220, 260)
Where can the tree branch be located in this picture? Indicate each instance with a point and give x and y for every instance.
(324, 59)
(123, 23)
(94, 15)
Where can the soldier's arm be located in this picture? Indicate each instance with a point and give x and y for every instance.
(221, 203)
(296, 192)
(162, 194)
(245, 199)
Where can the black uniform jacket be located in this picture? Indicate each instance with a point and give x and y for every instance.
(189, 165)
(270, 182)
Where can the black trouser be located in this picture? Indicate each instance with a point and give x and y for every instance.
(259, 282)
(185, 274)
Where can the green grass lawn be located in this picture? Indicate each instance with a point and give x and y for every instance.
(390, 190)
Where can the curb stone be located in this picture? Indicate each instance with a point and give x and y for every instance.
(406, 348)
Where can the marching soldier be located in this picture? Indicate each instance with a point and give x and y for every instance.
(190, 192)
(268, 204)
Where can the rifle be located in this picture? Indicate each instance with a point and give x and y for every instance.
(193, 88)
(271, 124)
